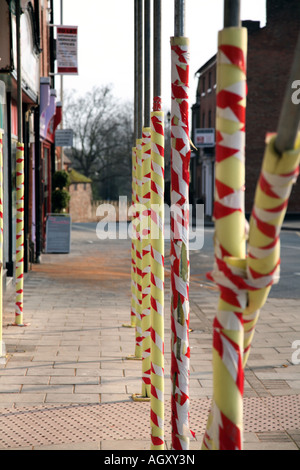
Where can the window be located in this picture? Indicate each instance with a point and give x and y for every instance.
(209, 80)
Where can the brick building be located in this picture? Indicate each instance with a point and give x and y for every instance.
(270, 55)
(40, 112)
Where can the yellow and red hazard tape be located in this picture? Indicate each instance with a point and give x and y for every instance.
(244, 281)
(133, 244)
(1, 238)
(146, 260)
(277, 177)
(19, 234)
(180, 310)
(138, 244)
(224, 427)
(157, 277)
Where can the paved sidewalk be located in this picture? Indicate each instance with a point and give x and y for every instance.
(67, 380)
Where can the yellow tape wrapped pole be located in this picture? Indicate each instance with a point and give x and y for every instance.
(133, 245)
(19, 235)
(136, 250)
(225, 422)
(180, 310)
(278, 174)
(157, 243)
(157, 278)
(146, 262)
(139, 265)
(19, 182)
(1, 247)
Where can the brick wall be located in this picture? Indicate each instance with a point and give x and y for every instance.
(270, 55)
(80, 206)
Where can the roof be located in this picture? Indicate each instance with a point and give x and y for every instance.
(76, 177)
(207, 65)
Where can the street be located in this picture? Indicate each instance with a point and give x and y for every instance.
(201, 260)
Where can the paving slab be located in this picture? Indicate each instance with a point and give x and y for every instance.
(67, 381)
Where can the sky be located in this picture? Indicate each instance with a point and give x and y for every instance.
(106, 41)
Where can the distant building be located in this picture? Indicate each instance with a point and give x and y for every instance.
(270, 55)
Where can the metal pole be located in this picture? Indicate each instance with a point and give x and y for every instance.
(19, 182)
(2, 344)
(146, 213)
(229, 239)
(179, 25)
(232, 9)
(19, 67)
(147, 51)
(138, 174)
(290, 113)
(136, 61)
(180, 161)
(157, 49)
(157, 244)
(140, 69)
(62, 93)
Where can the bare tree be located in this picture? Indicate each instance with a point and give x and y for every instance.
(103, 134)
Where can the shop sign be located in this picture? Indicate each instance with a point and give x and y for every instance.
(64, 138)
(66, 50)
(204, 137)
(58, 233)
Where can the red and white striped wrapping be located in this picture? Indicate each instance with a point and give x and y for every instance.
(133, 244)
(19, 234)
(224, 427)
(274, 187)
(157, 277)
(180, 176)
(1, 241)
(146, 261)
(138, 244)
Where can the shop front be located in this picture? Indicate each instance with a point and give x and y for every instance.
(9, 122)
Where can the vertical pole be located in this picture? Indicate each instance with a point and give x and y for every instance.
(278, 174)
(139, 175)
(225, 424)
(133, 245)
(179, 18)
(146, 261)
(290, 113)
(180, 176)
(157, 245)
(147, 63)
(232, 10)
(157, 56)
(140, 48)
(133, 311)
(62, 90)
(19, 70)
(146, 201)
(2, 353)
(19, 181)
(136, 69)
